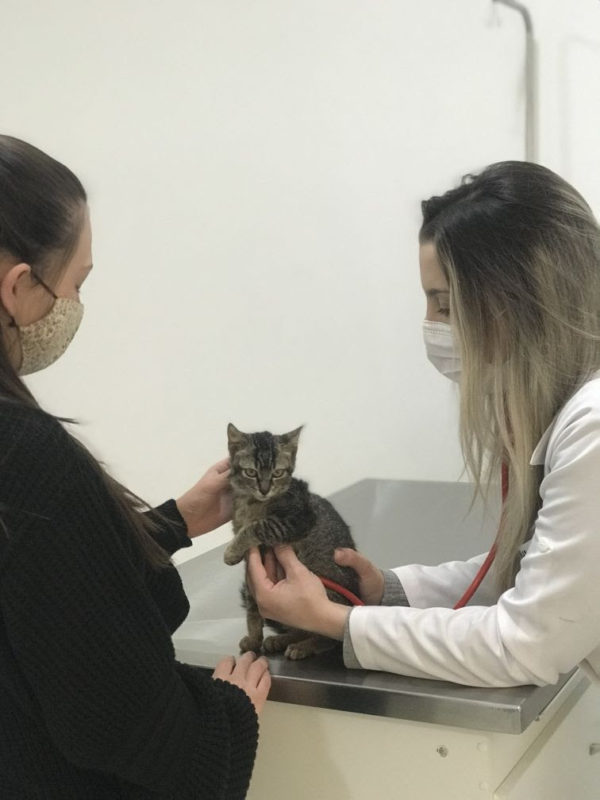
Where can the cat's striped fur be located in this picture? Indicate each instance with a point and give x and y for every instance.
(271, 507)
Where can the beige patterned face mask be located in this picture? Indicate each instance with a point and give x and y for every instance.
(44, 341)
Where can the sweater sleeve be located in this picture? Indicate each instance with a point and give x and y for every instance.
(93, 645)
(172, 534)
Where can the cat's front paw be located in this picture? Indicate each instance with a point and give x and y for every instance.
(309, 647)
(231, 555)
(249, 644)
(300, 650)
(276, 644)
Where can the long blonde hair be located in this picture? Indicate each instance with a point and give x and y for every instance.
(520, 249)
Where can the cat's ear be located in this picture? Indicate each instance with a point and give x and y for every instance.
(234, 437)
(291, 439)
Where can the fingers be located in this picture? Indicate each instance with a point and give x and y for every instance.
(248, 672)
(346, 557)
(370, 577)
(224, 668)
(343, 555)
(247, 667)
(264, 682)
(271, 566)
(244, 663)
(255, 564)
(288, 559)
(217, 476)
(220, 478)
(256, 574)
(257, 669)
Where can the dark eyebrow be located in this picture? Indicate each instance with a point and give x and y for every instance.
(434, 292)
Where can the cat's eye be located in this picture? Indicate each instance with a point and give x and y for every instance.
(249, 473)
(277, 473)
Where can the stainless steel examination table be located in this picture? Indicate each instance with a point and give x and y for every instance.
(336, 733)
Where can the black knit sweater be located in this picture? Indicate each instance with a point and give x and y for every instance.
(93, 704)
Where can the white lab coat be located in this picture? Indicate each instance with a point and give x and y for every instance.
(548, 622)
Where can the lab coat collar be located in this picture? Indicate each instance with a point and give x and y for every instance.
(539, 454)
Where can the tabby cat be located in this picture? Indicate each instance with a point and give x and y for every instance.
(271, 507)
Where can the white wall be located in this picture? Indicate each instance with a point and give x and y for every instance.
(254, 171)
(569, 45)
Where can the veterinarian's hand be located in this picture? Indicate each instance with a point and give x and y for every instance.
(207, 505)
(273, 568)
(299, 599)
(249, 673)
(370, 578)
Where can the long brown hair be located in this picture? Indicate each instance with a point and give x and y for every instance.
(520, 249)
(42, 207)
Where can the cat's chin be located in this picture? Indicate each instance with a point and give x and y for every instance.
(262, 498)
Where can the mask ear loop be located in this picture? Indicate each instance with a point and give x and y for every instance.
(45, 285)
(12, 323)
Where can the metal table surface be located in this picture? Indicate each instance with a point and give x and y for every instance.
(393, 522)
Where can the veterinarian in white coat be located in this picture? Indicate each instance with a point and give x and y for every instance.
(510, 266)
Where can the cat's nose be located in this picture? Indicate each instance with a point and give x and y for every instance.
(264, 486)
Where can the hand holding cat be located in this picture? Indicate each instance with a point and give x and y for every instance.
(370, 577)
(299, 599)
(273, 568)
(207, 505)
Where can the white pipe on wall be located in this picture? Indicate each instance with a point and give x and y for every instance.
(531, 143)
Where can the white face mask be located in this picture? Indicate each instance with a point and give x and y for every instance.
(44, 341)
(441, 349)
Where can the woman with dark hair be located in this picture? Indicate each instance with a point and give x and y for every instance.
(510, 267)
(93, 703)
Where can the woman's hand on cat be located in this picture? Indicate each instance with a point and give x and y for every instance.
(299, 599)
(207, 505)
(249, 673)
(370, 578)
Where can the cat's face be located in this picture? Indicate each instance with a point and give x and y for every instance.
(261, 463)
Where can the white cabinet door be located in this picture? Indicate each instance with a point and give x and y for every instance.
(564, 761)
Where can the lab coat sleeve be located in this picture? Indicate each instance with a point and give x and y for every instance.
(444, 584)
(543, 626)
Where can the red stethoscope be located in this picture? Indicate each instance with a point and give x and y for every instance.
(483, 570)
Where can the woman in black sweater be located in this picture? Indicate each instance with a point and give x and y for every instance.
(93, 704)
